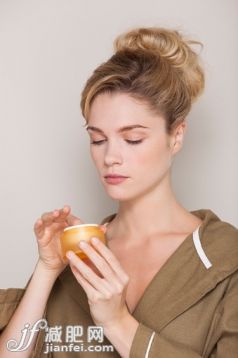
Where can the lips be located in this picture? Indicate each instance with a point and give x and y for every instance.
(116, 179)
(115, 176)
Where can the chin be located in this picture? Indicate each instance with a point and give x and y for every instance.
(120, 194)
(116, 195)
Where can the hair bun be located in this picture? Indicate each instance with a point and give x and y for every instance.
(171, 46)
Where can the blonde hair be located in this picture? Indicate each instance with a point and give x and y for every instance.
(155, 65)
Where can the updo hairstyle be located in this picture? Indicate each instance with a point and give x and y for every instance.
(155, 65)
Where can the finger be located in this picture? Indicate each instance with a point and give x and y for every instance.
(90, 291)
(49, 232)
(56, 215)
(49, 216)
(73, 220)
(103, 228)
(64, 213)
(61, 214)
(88, 274)
(38, 227)
(88, 262)
(101, 264)
(105, 252)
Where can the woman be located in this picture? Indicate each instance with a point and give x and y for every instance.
(166, 283)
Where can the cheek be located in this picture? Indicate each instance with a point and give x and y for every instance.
(97, 157)
(154, 153)
(95, 154)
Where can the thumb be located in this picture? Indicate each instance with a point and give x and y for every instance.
(103, 227)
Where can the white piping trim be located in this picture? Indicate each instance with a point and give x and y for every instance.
(201, 253)
(149, 345)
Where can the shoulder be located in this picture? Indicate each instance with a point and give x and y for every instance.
(219, 240)
(215, 227)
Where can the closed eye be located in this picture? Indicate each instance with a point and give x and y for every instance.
(127, 140)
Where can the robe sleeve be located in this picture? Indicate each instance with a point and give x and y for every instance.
(9, 300)
(223, 342)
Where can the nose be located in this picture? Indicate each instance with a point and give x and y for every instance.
(112, 154)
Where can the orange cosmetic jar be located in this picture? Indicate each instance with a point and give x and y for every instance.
(72, 235)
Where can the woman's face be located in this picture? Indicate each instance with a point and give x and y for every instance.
(143, 154)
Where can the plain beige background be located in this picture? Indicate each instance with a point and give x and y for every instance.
(48, 48)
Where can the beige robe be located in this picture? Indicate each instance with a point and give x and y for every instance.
(188, 310)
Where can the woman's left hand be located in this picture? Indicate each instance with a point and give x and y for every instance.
(106, 293)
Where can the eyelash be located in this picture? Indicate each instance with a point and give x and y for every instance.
(133, 142)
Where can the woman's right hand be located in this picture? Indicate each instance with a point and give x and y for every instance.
(48, 230)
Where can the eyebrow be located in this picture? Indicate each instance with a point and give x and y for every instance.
(120, 130)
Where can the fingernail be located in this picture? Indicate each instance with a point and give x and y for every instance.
(82, 244)
(95, 240)
(69, 254)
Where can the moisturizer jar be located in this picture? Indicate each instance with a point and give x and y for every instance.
(72, 235)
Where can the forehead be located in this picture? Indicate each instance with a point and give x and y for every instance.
(113, 111)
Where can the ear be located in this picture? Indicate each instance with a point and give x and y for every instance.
(177, 137)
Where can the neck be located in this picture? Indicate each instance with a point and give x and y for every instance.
(157, 211)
